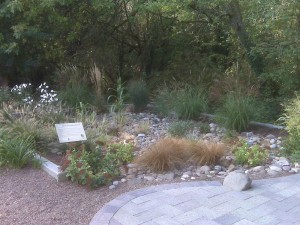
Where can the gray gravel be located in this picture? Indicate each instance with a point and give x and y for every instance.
(30, 196)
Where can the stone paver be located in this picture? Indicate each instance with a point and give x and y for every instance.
(270, 201)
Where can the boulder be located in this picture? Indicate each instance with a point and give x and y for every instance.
(237, 181)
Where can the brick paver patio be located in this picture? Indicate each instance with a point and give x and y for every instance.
(271, 201)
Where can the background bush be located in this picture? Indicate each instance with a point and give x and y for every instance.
(138, 94)
(237, 111)
(291, 119)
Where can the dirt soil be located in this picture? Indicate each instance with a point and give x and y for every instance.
(30, 197)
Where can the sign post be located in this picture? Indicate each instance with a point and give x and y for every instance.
(70, 132)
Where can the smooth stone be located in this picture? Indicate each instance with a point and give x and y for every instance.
(273, 146)
(203, 170)
(270, 136)
(257, 168)
(116, 183)
(185, 176)
(123, 180)
(149, 178)
(272, 172)
(286, 167)
(275, 168)
(218, 168)
(167, 176)
(132, 165)
(134, 181)
(230, 168)
(237, 181)
(272, 141)
(141, 135)
(295, 170)
(111, 187)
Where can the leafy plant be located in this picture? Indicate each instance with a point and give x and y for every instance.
(291, 119)
(16, 151)
(237, 111)
(95, 166)
(250, 155)
(118, 97)
(138, 94)
(123, 152)
(180, 128)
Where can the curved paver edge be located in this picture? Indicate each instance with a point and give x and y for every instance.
(105, 214)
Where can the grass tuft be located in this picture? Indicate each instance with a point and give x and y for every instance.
(171, 153)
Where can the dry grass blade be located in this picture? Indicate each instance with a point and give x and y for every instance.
(172, 153)
(164, 155)
(207, 152)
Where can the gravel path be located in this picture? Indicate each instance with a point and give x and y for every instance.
(30, 196)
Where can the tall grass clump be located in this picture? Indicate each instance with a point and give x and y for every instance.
(79, 85)
(4, 96)
(138, 94)
(16, 151)
(173, 153)
(291, 119)
(163, 104)
(190, 103)
(237, 111)
(180, 128)
(187, 102)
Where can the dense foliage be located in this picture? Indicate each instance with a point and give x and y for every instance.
(193, 41)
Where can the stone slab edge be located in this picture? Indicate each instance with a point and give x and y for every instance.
(52, 169)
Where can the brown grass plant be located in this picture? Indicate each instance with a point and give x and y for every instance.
(171, 153)
(165, 155)
(206, 153)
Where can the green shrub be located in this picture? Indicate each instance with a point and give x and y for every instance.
(123, 152)
(118, 97)
(163, 104)
(291, 119)
(16, 151)
(187, 103)
(73, 94)
(138, 94)
(190, 103)
(95, 167)
(237, 111)
(180, 128)
(4, 95)
(250, 155)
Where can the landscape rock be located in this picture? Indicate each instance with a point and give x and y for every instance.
(111, 187)
(272, 173)
(149, 178)
(237, 181)
(167, 176)
(203, 170)
(275, 168)
(270, 136)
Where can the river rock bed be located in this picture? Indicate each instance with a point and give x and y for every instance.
(277, 165)
(145, 129)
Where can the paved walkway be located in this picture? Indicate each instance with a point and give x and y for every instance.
(271, 201)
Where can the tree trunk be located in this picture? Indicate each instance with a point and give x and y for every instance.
(236, 22)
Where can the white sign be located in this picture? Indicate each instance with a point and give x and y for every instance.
(70, 132)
